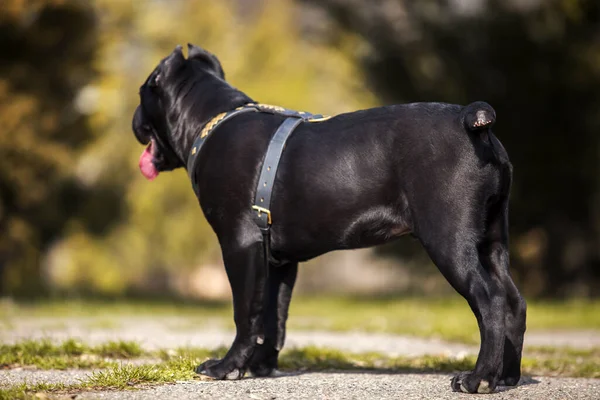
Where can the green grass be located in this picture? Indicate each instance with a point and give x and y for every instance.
(124, 376)
(564, 351)
(563, 361)
(537, 361)
(73, 354)
(196, 353)
(104, 308)
(117, 377)
(449, 319)
(558, 363)
(118, 349)
(24, 391)
(319, 359)
(70, 354)
(18, 392)
(178, 365)
(446, 318)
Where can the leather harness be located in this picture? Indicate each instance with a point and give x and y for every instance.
(264, 189)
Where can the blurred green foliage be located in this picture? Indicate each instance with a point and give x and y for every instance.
(142, 236)
(46, 56)
(77, 217)
(538, 64)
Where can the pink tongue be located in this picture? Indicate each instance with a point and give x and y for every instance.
(146, 166)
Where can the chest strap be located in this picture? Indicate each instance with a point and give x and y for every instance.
(264, 189)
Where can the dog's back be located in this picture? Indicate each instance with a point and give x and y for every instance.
(360, 178)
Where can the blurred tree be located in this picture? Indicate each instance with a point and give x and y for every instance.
(47, 47)
(538, 64)
(162, 236)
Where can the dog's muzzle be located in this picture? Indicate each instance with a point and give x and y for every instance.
(140, 129)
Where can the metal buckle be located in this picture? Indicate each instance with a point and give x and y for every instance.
(263, 210)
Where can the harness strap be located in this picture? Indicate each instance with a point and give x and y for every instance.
(264, 189)
(216, 121)
(262, 201)
(208, 128)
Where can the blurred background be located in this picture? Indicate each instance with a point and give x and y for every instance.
(77, 218)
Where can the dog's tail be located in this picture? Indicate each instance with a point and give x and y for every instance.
(478, 119)
(478, 116)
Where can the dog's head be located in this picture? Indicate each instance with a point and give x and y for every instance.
(154, 122)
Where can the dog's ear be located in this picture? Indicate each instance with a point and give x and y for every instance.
(173, 61)
(198, 53)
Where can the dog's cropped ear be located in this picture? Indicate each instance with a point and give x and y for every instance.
(174, 60)
(198, 53)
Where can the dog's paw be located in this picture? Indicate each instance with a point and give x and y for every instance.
(466, 382)
(264, 361)
(510, 381)
(270, 373)
(261, 370)
(218, 369)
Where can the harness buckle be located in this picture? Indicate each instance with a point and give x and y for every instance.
(263, 210)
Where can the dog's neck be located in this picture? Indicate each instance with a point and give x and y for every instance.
(216, 96)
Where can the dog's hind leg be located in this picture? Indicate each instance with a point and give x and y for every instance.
(495, 258)
(515, 331)
(451, 242)
(244, 262)
(280, 286)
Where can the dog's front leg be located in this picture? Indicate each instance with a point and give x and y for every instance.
(281, 283)
(246, 270)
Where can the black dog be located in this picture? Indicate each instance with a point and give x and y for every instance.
(360, 179)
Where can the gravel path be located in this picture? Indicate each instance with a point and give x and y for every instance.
(322, 385)
(32, 376)
(356, 385)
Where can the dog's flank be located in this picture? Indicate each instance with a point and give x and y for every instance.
(359, 179)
